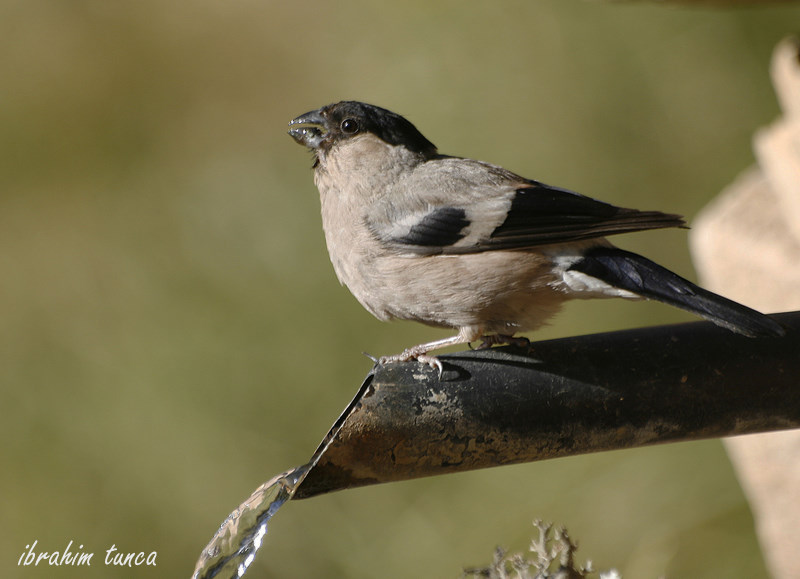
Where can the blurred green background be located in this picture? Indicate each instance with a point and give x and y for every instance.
(172, 333)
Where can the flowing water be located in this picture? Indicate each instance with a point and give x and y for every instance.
(234, 546)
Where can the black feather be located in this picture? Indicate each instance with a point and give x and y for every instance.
(439, 228)
(541, 214)
(634, 273)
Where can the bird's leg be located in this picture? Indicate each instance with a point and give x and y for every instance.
(497, 339)
(420, 352)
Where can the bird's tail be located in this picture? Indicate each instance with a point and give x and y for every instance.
(641, 276)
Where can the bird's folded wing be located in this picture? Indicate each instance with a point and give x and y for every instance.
(475, 207)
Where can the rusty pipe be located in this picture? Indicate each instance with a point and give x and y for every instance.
(565, 397)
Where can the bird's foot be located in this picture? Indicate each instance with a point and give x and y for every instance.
(502, 339)
(417, 354)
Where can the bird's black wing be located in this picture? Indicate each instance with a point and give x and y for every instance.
(540, 214)
(528, 215)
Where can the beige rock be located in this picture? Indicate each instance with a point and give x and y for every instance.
(746, 245)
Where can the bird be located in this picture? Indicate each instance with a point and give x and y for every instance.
(463, 244)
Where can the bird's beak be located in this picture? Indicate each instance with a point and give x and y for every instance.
(310, 136)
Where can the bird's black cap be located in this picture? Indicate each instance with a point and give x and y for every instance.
(348, 118)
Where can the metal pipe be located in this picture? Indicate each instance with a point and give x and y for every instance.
(565, 397)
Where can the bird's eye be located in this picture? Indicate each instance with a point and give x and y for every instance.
(349, 126)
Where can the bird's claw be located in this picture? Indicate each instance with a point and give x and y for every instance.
(412, 354)
(433, 362)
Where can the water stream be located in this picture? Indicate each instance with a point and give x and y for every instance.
(235, 544)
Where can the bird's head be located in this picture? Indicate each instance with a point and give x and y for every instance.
(323, 129)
